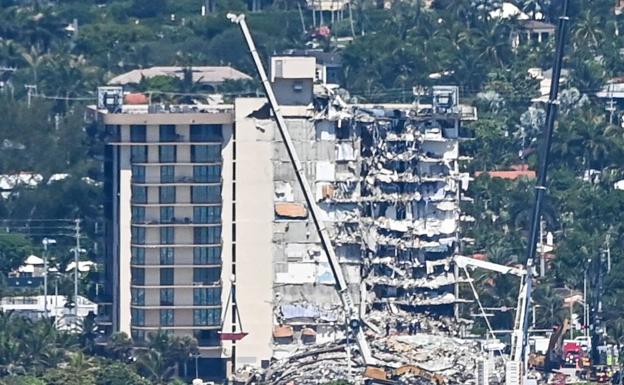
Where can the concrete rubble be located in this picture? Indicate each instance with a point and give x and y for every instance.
(431, 354)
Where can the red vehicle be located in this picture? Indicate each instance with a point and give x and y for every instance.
(571, 354)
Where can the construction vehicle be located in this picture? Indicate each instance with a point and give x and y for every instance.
(555, 352)
(349, 307)
(516, 367)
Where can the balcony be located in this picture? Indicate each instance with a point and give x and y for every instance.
(176, 307)
(176, 204)
(177, 327)
(179, 245)
(180, 142)
(180, 181)
(178, 285)
(179, 222)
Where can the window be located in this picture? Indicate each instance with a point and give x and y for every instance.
(207, 235)
(138, 296)
(138, 276)
(166, 317)
(113, 132)
(206, 133)
(167, 194)
(166, 276)
(207, 317)
(167, 255)
(138, 317)
(207, 214)
(138, 133)
(168, 133)
(279, 68)
(138, 256)
(167, 154)
(206, 275)
(138, 154)
(138, 235)
(205, 153)
(207, 255)
(138, 335)
(207, 296)
(207, 174)
(166, 214)
(138, 214)
(138, 174)
(207, 337)
(167, 174)
(206, 194)
(166, 297)
(139, 194)
(167, 235)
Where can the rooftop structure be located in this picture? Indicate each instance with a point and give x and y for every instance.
(532, 31)
(519, 171)
(206, 75)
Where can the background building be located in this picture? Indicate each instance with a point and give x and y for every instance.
(169, 214)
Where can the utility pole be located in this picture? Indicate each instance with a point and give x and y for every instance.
(45, 277)
(608, 253)
(29, 89)
(542, 259)
(46, 242)
(76, 259)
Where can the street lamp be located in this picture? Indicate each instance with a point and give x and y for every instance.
(77, 251)
(46, 242)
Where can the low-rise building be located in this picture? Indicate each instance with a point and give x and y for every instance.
(65, 315)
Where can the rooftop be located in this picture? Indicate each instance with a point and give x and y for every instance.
(201, 74)
(517, 171)
(536, 25)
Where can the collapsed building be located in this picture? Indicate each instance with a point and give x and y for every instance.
(388, 183)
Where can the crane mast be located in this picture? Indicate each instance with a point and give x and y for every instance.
(516, 366)
(349, 306)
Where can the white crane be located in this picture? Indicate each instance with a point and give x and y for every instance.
(341, 285)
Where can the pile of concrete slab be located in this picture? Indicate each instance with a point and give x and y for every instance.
(419, 358)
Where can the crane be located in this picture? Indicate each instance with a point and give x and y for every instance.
(516, 369)
(463, 262)
(354, 318)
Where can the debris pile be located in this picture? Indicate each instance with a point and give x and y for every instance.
(421, 358)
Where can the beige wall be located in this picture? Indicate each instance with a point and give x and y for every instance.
(169, 118)
(125, 193)
(227, 175)
(254, 216)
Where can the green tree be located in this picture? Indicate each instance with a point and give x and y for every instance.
(116, 373)
(14, 249)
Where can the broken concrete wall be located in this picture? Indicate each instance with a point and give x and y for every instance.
(385, 181)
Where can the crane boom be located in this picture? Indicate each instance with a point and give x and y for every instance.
(462, 262)
(519, 337)
(341, 284)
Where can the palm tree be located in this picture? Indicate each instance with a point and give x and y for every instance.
(119, 346)
(87, 333)
(588, 29)
(153, 365)
(34, 58)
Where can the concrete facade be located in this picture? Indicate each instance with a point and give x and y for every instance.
(170, 215)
